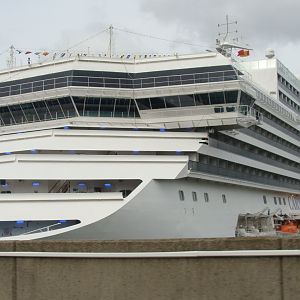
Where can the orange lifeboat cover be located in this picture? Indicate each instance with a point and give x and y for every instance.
(289, 228)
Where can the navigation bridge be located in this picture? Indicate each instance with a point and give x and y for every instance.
(81, 91)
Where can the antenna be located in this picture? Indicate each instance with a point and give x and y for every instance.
(110, 40)
(226, 45)
(11, 62)
(227, 24)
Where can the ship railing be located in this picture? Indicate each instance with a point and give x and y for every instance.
(261, 96)
(288, 75)
(34, 118)
(211, 111)
(250, 154)
(42, 229)
(240, 175)
(240, 110)
(113, 82)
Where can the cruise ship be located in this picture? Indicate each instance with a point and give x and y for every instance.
(181, 146)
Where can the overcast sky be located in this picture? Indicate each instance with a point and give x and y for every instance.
(58, 25)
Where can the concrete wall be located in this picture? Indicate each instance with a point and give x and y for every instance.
(150, 278)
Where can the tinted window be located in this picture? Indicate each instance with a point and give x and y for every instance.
(144, 104)
(172, 101)
(231, 96)
(202, 99)
(158, 103)
(187, 100)
(216, 98)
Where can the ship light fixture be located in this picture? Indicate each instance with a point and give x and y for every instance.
(82, 185)
(107, 185)
(35, 183)
(20, 222)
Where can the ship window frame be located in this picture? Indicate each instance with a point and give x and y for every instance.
(206, 198)
(224, 198)
(275, 200)
(194, 196)
(283, 200)
(181, 195)
(265, 199)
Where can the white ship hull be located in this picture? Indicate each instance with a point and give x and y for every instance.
(175, 147)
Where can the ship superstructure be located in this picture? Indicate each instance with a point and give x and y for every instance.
(160, 147)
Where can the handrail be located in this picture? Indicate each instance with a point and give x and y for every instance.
(240, 175)
(42, 229)
(113, 82)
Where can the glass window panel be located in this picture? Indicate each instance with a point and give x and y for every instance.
(144, 103)
(231, 96)
(96, 82)
(107, 107)
(38, 86)
(201, 99)
(174, 80)
(230, 75)
(147, 82)
(187, 79)
(60, 82)
(80, 81)
(201, 78)
(29, 112)
(172, 101)
(157, 103)
(42, 110)
(137, 83)
(216, 76)
(187, 100)
(4, 91)
(55, 108)
(126, 83)
(67, 106)
(17, 114)
(6, 116)
(15, 89)
(79, 102)
(26, 88)
(92, 107)
(133, 111)
(111, 82)
(216, 98)
(219, 109)
(121, 108)
(48, 84)
(246, 99)
(161, 81)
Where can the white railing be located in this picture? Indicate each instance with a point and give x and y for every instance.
(112, 82)
(42, 229)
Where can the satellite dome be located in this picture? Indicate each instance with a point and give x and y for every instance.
(270, 53)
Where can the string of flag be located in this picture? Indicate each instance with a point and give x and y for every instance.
(44, 53)
(56, 55)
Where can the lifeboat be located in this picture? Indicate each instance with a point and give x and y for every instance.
(289, 227)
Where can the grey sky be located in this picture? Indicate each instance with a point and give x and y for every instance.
(58, 24)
